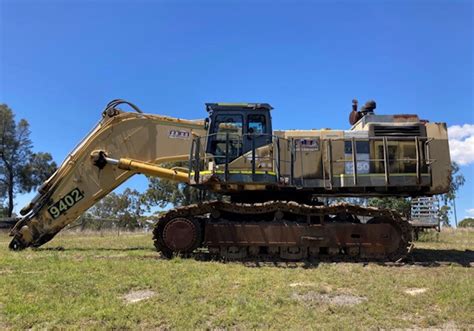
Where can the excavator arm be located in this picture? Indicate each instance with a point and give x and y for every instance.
(121, 145)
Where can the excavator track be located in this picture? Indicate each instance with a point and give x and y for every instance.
(283, 230)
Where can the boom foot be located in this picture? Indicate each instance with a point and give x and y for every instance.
(17, 245)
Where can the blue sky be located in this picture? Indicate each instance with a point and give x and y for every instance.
(62, 61)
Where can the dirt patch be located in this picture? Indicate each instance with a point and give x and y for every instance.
(302, 284)
(450, 325)
(414, 319)
(111, 256)
(137, 296)
(32, 272)
(311, 298)
(321, 288)
(415, 291)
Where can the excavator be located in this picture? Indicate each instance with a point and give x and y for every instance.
(275, 184)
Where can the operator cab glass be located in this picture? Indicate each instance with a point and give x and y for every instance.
(236, 129)
(256, 124)
(231, 126)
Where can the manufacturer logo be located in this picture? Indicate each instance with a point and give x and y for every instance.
(179, 134)
(307, 144)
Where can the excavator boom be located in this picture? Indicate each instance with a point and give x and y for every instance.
(121, 145)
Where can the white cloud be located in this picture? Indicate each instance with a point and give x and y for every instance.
(461, 143)
(470, 212)
(461, 131)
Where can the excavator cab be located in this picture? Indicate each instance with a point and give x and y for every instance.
(235, 129)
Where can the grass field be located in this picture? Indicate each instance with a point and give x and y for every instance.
(110, 281)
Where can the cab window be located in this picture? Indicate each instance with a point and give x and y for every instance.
(256, 124)
(232, 126)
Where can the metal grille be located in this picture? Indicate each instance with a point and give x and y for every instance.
(424, 211)
(400, 131)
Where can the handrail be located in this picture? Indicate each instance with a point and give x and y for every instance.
(226, 170)
(354, 159)
(199, 157)
(277, 158)
(292, 162)
(385, 161)
(330, 164)
(417, 152)
(253, 158)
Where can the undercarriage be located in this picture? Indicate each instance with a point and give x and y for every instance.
(283, 230)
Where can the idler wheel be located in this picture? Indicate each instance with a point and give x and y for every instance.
(182, 235)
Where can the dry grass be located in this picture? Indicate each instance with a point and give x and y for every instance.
(82, 281)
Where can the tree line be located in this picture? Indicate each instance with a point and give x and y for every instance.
(22, 171)
(131, 209)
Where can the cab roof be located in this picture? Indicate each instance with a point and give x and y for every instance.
(210, 107)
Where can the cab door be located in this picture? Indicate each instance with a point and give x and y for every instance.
(258, 131)
(225, 137)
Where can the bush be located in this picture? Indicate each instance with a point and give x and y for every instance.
(428, 236)
(467, 223)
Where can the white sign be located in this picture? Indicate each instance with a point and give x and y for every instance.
(363, 164)
(179, 134)
(307, 144)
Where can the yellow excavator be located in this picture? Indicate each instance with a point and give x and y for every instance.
(275, 182)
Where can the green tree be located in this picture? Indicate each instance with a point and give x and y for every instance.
(3, 208)
(124, 210)
(103, 211)
(162, 192)
(467, 223)
(449, 199)
(21, 170)
(443, 214)
(3, 211)
(402, 205)
(131, 209)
